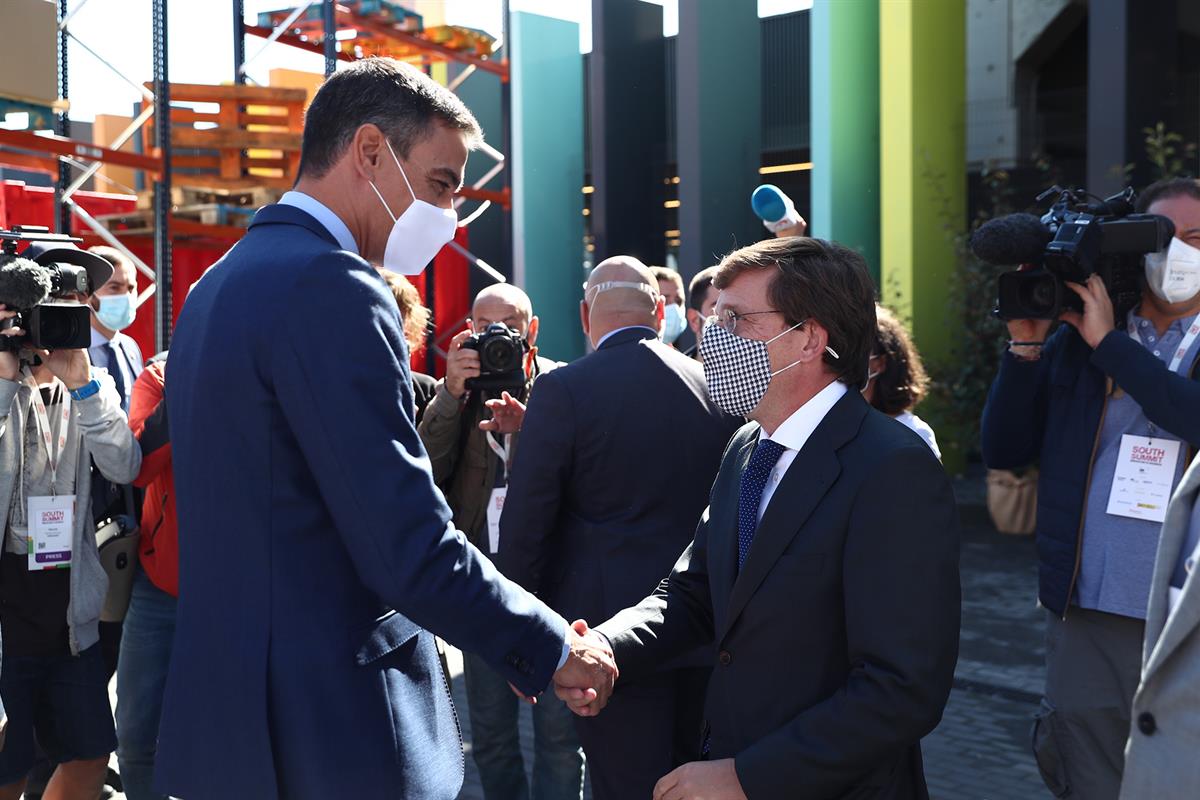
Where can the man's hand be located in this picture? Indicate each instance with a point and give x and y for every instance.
(798, 229)
(701, 780)
(1096, 321)
(461, 364)
(72, 367)
(507, 414)
(10, 365)
(586, 681)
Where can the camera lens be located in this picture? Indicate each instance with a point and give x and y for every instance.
(500, 354)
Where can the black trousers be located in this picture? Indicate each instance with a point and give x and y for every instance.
(649, 727)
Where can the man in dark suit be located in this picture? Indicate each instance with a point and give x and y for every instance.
(602, 499)
(826, 567)
(314, 549)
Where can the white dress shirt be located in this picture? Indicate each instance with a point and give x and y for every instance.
(794, 432)
(321, 213)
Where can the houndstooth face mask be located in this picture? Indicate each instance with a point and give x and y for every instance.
(738, 370)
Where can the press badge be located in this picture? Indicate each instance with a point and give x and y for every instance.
(494, 510)
(51, 524)
(1144, 477)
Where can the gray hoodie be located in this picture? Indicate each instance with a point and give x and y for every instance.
(100, 429)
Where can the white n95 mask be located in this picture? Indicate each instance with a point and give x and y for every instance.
(1174, 274)
(417, 234)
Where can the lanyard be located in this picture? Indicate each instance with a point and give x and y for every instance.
(43, 424)
(1184, 346)
(500, 450)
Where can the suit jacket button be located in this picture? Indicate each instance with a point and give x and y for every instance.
(1146, 723)
(725, 658)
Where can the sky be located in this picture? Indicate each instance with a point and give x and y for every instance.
(200, 42)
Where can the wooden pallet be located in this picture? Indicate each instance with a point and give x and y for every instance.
(255, 143)
(141, 222)
(252, 196)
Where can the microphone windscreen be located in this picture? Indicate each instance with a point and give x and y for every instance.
(1011, 240)
(23, 284)
(770, 204)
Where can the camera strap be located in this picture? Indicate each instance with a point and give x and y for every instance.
(1189, 338)
(42, 418)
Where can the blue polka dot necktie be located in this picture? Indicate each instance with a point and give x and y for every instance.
(754, 480)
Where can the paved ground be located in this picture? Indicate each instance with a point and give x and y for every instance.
(981, 749)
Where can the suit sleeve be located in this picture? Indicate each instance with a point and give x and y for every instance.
(1168, 399)
(902, 608)
(674, 620)
(1014, 418)
(346, 392)
(540, 477)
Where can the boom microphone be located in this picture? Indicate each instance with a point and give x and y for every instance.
(1010, 240)
(23, 284)
(774, 208)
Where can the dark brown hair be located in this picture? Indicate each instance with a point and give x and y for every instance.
(1167, 188)
(396, 97)
(698, 288)
(668, 274)
(818, 280)
(413, 314)
(903, 382)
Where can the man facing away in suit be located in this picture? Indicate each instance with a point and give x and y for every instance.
(1160, 757)
(825, 570)
(315, 552)
(602, 499)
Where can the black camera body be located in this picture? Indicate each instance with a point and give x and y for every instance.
(36, 284)
(1085, 238)
(501, 359)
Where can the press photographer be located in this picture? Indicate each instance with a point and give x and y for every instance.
(58, 415)
(1107, 407)
(471, 429)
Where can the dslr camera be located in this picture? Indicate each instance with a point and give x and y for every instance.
(38, 284)
(501, 359)
(1078, 237)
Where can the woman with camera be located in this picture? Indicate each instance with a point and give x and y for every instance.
(58, 415)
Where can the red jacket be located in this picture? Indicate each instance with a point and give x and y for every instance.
(159, 544)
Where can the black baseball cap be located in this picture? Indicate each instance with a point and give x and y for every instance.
(99, 270)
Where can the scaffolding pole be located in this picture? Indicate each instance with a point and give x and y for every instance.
(162, 187)
(330, 44)
(63, 123)
(239, 41)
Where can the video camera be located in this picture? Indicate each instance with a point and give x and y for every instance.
(501, 359)
(1075, 239)
(36, 282)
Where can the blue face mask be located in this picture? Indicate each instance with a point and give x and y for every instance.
(674, 322)
(116, 312)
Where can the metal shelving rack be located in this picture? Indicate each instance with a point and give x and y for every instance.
(41, 152)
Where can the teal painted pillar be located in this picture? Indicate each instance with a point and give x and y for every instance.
(923, 179)
(844, 77)
(719, 128)
(546, 71)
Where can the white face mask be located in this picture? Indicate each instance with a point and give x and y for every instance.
(1174, 274)
(417, 234)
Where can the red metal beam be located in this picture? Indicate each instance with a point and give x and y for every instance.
(60, 146)
(295, 41)
(502, 198)
(352, 20)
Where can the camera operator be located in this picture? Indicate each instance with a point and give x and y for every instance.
(56, 418)
(471, 437)
(1109, 409)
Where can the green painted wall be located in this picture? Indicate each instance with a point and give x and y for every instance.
(844, 79)
(547, 172)
(922, 90)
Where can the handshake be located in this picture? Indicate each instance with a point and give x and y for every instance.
(585, 681)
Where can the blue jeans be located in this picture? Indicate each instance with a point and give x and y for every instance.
(496, 746)
(141, 678)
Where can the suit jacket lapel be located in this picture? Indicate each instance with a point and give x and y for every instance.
(1163, 633)
(722, 528)
(805, 483)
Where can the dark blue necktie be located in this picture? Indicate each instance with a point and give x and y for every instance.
(754, 480)
(114, 363)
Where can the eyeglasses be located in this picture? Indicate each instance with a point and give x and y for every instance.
(729, 319)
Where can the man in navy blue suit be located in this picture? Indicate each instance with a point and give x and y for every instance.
(316, 553)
